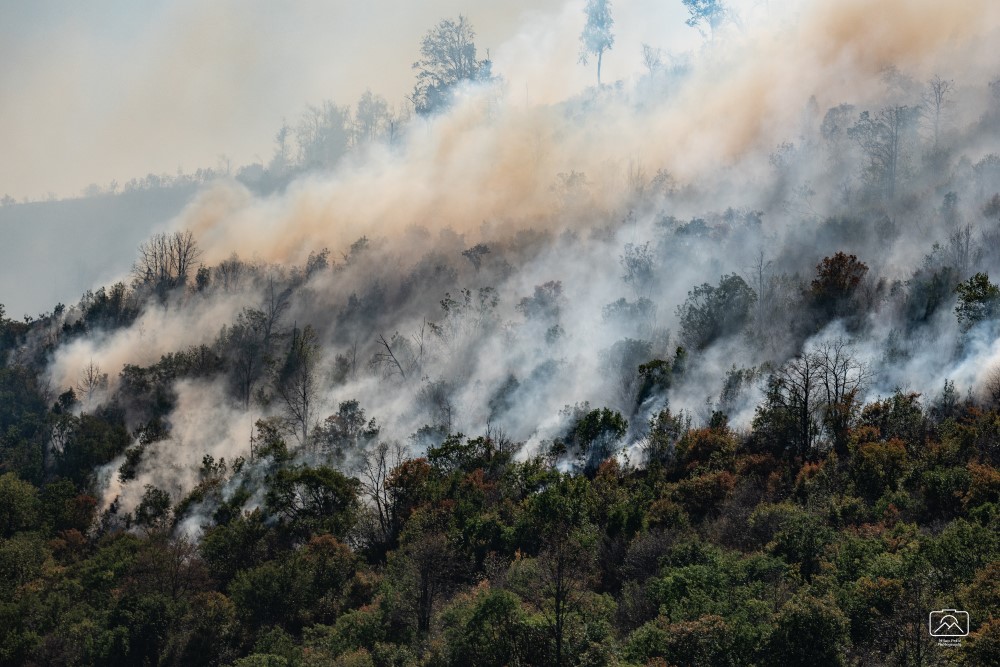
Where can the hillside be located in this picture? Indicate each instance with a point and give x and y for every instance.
(700, 368)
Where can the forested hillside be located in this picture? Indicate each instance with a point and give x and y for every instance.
(700, 368)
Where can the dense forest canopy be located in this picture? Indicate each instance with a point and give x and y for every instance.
(700, 368)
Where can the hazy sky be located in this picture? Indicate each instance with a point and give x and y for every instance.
(115, 89)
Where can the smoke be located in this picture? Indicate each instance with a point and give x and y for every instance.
(598, 212)
(489, 160)
(112, 91)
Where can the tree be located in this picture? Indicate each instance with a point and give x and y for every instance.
(19, 505)
(311, 500)
(978, 300)
(709, 13)
(818, 387)
(843, 379)
(884, 139)
(652, 59)
(296, 382)
(92, 381)
(711, 313)
(808, 632)
(166, 260)
(595, 434)
(465, 317)
(622, 363)
(837, 279)
(565, 564)
(545, 304)
(91, 440)
(596, 37)
(475, 254)
(447, 59)
(491, 629)
(153, 512)
(323, 135)
(787, 417)
(377, 465)
(370, 117)
(109, 308)
(936, 105)
(281, 161)
(426, 564)
(639, 264)
(247, 351)
(346, 431)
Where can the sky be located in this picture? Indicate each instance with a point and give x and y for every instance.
(115, 89)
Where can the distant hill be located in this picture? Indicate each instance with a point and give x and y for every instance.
(53, 251)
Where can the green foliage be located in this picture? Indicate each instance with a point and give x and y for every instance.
(19, 505)
(709, 448)
(808, 632)
(704, 641)
(109, 308)
(345, 431)
(711, 313)
(21, 559)
(92, 440)
(23, 420)
(153, 512)
(878, 467)
(727, 548)
(313, 500)
(978, 300)
(595, 434)
(487, 628)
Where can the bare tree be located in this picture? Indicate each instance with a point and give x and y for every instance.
(499, 437)
(247, 347)
(376, 466)
(960, 251)
(92, 380)
(936, 104)
(296, 381)
(795, 387)
(652, 59)
(819, 387)
(390, 357)
(166, 260)
(466, 317)
(991, 385)
(228, 275)
(758, 277)
(275, 303)
(399, 354)
(842, 378)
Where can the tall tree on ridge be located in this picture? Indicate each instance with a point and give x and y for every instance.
(596, 37)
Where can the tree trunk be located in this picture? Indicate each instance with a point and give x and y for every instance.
(600, 55)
